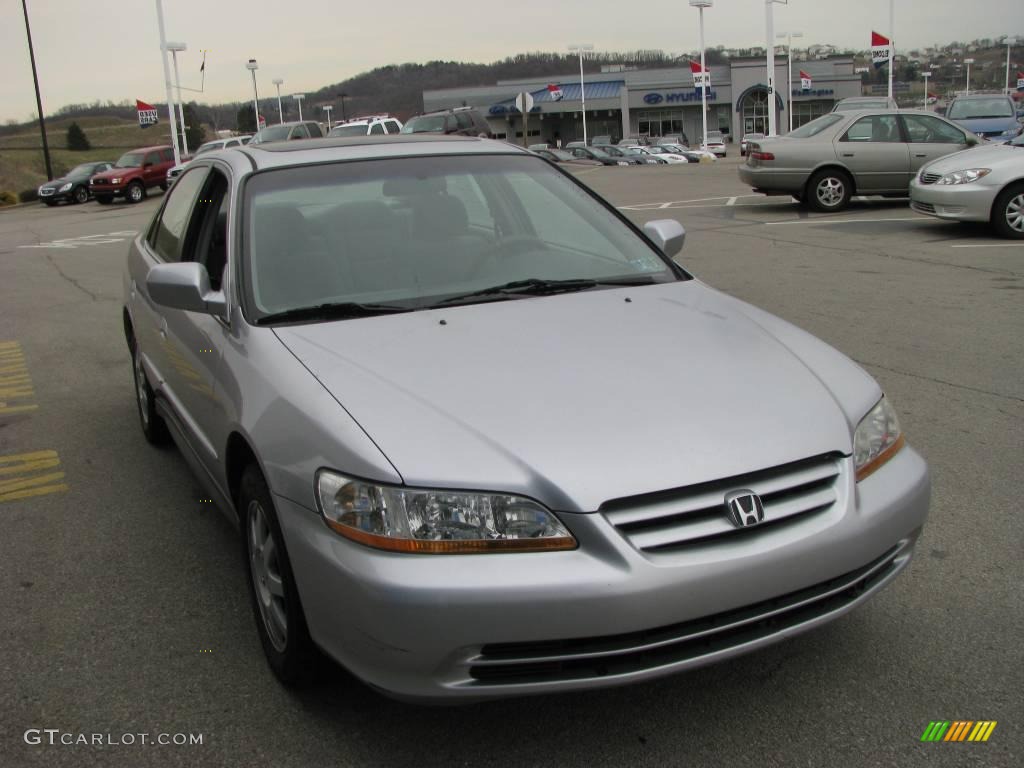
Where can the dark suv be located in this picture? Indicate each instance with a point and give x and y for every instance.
(463, 121)
(133, 174)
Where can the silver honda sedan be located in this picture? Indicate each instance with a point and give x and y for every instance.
(483, 437)
(866, 152)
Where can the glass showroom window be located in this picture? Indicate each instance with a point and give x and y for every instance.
(805, 111)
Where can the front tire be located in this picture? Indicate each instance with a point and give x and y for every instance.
(163, 187)
(153, 426)
(273, 593)
(1008, 213)
(80, 195)
(135, 193)
(829, 191)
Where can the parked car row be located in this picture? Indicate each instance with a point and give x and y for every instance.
(947, 170)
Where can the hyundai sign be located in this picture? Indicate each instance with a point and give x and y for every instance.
(676, 97)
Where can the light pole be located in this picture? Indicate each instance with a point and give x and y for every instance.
(700, 5)
(167, 81)
(892, 42)
(581, 47)
(252, 66)
(39, 101)
(280, 111)
(1010, 42)
(174, 48)
(926, 75)
(789, 70)
(343, 96)
(299, 97)
(968, 62)
(327, 108)
(769, 18)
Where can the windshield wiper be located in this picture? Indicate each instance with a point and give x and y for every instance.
(331, 311)
(534, 286)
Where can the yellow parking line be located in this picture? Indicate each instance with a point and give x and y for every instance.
(15, 382)
(25, 475)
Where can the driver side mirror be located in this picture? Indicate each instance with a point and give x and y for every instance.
(185, 285)
(668, 234)
(972, 141)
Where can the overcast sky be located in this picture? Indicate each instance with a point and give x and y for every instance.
(109, 49)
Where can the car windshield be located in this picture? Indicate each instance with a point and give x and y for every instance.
(349, 130)
(414, 233)
(754, 136)
(979, 109)
(272, 133)
(426, 124)
(210, 147)
(599, 152)
(130, 160)
(814, 127)
(86, 169)
(631, 151)
(561, 154)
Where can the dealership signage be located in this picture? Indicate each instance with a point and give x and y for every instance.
(814, 92)
(147, 114)
(676, 97)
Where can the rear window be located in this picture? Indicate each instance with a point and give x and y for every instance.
(347, 131)
(815, 127)
(979, 109)
(425, 124)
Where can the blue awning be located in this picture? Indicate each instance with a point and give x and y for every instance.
(570, 92)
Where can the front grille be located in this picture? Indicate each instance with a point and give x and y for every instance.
(671, 520)
(930, 178)
(923, 207)
(46, 192)
(597, 657)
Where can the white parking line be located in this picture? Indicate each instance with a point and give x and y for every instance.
(732, 201)
(989, 245)
(670, 203)
(844, 221)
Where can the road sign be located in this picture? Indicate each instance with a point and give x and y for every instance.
(524, 102)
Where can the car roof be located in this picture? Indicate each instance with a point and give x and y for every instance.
(973, 96)
(309, 151)
(154, 148)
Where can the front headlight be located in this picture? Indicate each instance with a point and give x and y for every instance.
(964, 177)
(116, 180)
(436, 521)
(64, 188)
(877, 439)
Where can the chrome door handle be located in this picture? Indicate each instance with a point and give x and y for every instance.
(848, 154)
(921, 154)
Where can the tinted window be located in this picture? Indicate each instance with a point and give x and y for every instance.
(392, 126)
(314, 131)
(167, 155)
(874, 128)
(376, 128)
(152, 157)
(815, 127)
(976, 109)
(924, 129)
(171, 226)
(464, 121)
(425, 124)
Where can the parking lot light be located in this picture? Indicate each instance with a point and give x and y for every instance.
(280, 110)
(581, 47)
(1010, 42)
(968, 62)
(769, 22)
(926, 75)
(327, 108)
(299, 97)
(700, 5)
(167, 81)
(174, 48)
(789, 71)
(252, 66)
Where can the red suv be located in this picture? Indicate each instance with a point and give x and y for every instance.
(133, 174)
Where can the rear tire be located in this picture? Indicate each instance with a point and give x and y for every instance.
(1008, 213)
(273, 593)
(829, 191)
(153, 426)
(135, 193)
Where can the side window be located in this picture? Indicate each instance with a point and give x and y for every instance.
(392, 126)
(207, 238)
(299, 132)
(924, 129)
(314, 131)
(152, 158)
(874, 128)
(170, 228)
(167, 155)
(376, 128)
(232, 143)
(464, 121)
(578, 152)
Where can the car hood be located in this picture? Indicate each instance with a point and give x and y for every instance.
(580, 398)
(975, 157)
(113, 172)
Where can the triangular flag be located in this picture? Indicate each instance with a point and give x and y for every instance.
(880, 45)
(805, 81)
(147, 114)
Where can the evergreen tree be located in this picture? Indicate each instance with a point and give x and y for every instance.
(77, 140)
(194, 133)
(246, 119)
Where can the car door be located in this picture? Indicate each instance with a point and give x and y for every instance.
(151, 169)
(930, 138)
(198, 338)
(874, 150)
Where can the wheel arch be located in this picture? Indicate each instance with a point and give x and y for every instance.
(992, 209)
(831, 165)
(238, 454)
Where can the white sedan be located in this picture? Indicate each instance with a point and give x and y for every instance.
(665, 154)
(715, 144)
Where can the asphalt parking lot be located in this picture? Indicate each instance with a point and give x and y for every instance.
(123, 592)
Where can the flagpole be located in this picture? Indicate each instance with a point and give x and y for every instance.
(167, 82)
(892, 41)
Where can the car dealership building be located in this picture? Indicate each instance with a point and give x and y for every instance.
(657, 102)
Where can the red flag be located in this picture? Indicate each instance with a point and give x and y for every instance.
(877, 39)
(147, 114)
(701, 78)
(880, 47)
(805, 81)
(555, 92)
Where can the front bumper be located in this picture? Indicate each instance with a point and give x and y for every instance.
(471, 627)
(953, 202)
(111, 190)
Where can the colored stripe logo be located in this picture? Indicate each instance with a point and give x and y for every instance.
(958, 730)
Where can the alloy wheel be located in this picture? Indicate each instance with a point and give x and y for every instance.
(265, 568)
(135, 193)
(140, 390)
(830, 191)
(81, 195)
(1015, 213)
